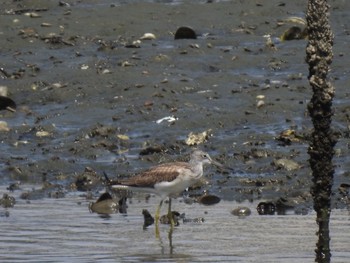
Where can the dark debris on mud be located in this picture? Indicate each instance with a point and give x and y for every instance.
(97, 96)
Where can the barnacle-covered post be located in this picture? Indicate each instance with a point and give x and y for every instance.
(319, 57)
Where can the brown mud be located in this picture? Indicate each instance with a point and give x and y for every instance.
(87, 94)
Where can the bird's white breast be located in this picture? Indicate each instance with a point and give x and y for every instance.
(182, 182)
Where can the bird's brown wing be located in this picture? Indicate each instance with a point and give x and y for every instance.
(148, 178)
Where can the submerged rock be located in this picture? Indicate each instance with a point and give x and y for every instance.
(105, 204)
(7, 201)
(164, 219)
(241, 211)
(286, 164)
(148, 218)
(208, 199)
(266, 208)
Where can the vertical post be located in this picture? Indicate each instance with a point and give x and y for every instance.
(319, 57)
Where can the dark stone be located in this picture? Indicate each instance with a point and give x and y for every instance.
(185, 33)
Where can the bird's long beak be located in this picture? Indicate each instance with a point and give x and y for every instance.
(216, 163)
(221, 166)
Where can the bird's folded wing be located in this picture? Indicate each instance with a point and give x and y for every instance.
(150, 177)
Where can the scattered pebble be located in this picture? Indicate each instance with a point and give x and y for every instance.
(164, 219)
(87, 180)
(147, 218)
(84, 67)
(4, 127)
(266, 208)
(3, 91)
(286, 164)
(42, 134)
(260, 103)
(5, 102)
(198, 138)
(185, 33)
(7, 201)
(105, 204)
(126, 64)
(208, 199)
(241, 211)
(32, 14)
(46, 25)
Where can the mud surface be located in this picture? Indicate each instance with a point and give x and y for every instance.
(88, 95)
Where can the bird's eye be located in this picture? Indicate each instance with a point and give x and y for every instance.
(205, 156)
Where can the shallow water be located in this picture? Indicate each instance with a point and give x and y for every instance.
(63, 230)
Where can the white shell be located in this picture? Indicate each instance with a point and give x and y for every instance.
(148, 36)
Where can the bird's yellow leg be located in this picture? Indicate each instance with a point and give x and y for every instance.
(170, 215)
(156, 218)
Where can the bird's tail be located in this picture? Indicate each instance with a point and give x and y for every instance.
(106, 177)
(108, 181)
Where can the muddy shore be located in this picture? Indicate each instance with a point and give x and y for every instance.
(89, 94)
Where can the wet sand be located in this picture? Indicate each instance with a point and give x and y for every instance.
(78, 85)
(88, 95)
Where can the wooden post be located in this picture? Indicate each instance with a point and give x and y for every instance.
(319, 57)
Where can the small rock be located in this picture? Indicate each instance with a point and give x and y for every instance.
(105, 204)
(260, 103)
(198, 138)
(294, 33)
(266, 208)
(133, 44)
(7, 104)
(151, 150)
(3, 91)
(4, 127)
(42, 134)
(164, 219)
(288, 136)
(241, 211)
(147, 217)
(286, 164)
(32, 14)
(185, 33)
(87, 180)
(208, 199)
(46, 24)
(7, 201)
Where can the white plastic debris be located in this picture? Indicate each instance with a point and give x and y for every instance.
(168, 119)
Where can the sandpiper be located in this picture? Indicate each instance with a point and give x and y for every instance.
(168, 180)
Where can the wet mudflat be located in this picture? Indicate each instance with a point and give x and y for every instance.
(89, 93)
